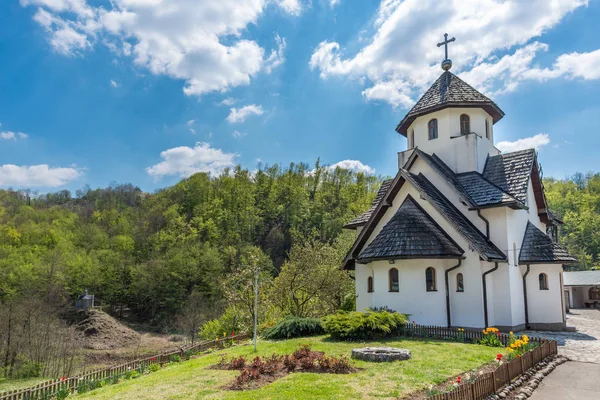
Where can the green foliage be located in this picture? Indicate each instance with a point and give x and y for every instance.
(174, 358)
(154, 367)
(62, 394)
(577, 201)
(294, 327)
(227, 323)
(366, 325)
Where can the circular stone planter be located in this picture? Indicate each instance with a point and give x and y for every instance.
(381, 354)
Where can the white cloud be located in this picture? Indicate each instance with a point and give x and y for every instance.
(228, 101)
(353, 165)
(185, 161)
(36, 175)
(199, 42)
(333, 3)
(292, 7)
(190, 125)
(9, 135)
(240, 115)
(533, 142)
(114, 84)
(401, 51)
(238, 134)
(572, 65)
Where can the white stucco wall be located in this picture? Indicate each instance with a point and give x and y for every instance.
(461, 153)
(545, 306)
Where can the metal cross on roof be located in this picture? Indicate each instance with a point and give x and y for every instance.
(447, 63)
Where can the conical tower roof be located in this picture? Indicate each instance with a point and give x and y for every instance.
(449, 91)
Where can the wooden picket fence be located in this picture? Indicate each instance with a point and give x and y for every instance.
(490, 383)
(47, 389)
(467, 335)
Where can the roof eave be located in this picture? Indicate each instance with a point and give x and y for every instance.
(413, 257)
(491, 108)
(562, 262)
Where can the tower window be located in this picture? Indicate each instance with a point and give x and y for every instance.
(487, 129)
(543, 281)
(433, 129)
(465, 124)
(430, 279)
(460, 284)
(394, 283)
(370, 284)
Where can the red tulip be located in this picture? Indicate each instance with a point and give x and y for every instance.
(458, 380)
(64, 378)
(152, 358)
(232, 333)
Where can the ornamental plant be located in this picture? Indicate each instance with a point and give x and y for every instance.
(364, 325)
(517, 346)
(491, 337)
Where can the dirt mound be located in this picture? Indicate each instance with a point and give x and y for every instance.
(103, 332)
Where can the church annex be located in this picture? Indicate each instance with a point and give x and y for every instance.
(462, 236)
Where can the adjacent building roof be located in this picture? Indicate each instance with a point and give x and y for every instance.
(411, 233)
(582, 278)
(449, 91)
(472, 235)
(511, 172)
(364, 217)
(539, 248)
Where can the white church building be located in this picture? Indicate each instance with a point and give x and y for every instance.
(462, 236)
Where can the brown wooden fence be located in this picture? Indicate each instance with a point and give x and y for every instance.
(490, 383)
(467, 335)
(47, 389)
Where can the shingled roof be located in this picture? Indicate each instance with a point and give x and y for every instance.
(476, 239)
(411, 233)
(511, 172)
(483, 193)
(539, 248)
(364, 217)
(449, 91)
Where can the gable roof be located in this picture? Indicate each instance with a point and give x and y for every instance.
(364, 217)
(582, 278)
(449, 91)
(410, 233)
(477, 240)
(511, 172)
(539, 248)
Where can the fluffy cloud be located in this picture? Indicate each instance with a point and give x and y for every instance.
(240, 115)
(8, 135)
(197, 41)
(533, 142)
(36, 175)
(353, 165)
(228, 101)
(185, 161)
(238, 134)
(400, 58)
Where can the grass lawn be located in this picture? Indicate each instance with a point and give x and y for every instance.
(432, 362)
(12, 384)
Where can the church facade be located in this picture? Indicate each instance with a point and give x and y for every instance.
(462, 236)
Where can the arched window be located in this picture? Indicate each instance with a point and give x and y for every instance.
(460, 285)
(465, 124)
(370, 284)
(594, 293)
(433, 129)
(487, 129)
(411, 141)
(394, 284)
(543, 281)
(430, 279)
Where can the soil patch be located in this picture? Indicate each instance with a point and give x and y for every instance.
(100, 331)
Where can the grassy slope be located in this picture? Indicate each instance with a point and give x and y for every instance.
(433, 362)
(12, 384)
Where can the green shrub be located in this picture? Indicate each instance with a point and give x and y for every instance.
(227, 323)
(154, 367)
(29, 369)
(174, 358)
(364, 325)
(294, 327)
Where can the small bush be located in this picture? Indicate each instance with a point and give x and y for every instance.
(154, 367)
(174, 358)
(364, 325)
(294, 327)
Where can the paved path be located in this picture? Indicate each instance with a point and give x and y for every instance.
(583, 345)
(570, 381)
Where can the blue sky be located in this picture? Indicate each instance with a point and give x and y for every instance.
(149, 91)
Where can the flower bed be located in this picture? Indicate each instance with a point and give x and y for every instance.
(263, 370)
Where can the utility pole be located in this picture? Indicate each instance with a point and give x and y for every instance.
(255, 305)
